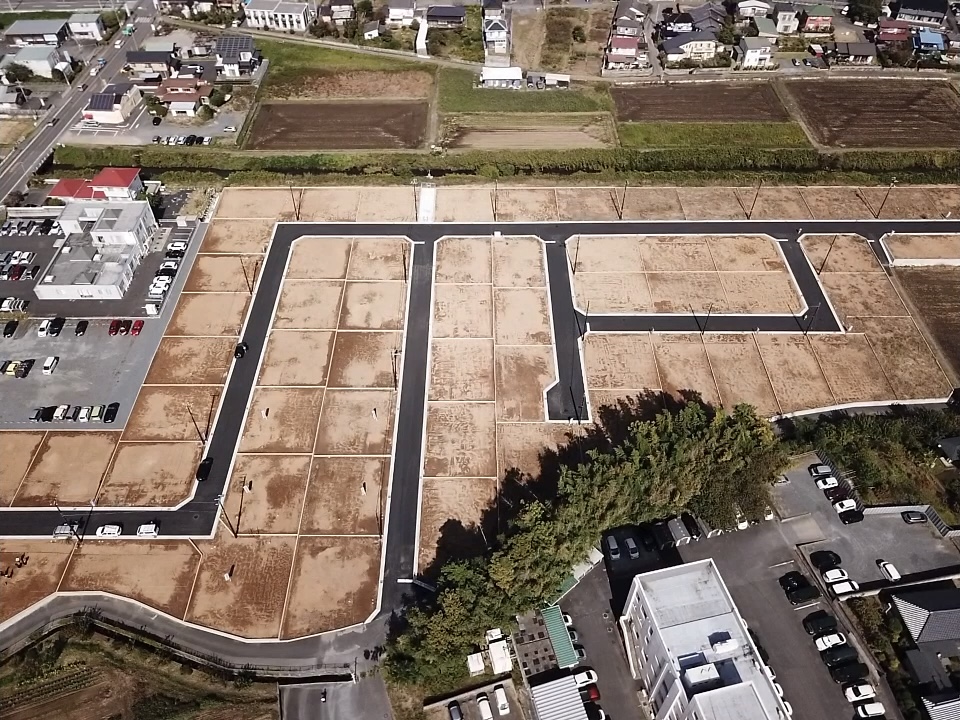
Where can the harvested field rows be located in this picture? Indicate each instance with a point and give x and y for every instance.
(533, 131)
(713, 102)
(934, 296)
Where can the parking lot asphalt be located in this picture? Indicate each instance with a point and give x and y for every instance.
(345, 701)
(468, 703)
(913, 549)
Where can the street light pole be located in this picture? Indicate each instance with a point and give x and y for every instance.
(889, 189)
(829, 250)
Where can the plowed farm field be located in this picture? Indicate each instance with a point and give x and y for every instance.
(934, 294)
(878, 113)
(711, 102)
(339, 126)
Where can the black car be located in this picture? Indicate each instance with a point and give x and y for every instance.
(110, 414)
(81, 328)
(240, 350)
(849, 672)
(803, 594)
(792, 581)
(191, 139)
(10, 328)
(155, 121)
(692, 526)
(203, 469)
(824, 559)
(36, 415)
(851, 516)
(819, 622)
(912, 517)
(840, 655)
(24, 368)
(48, 412)
(73, 414)
(173, 254)
(56, 326)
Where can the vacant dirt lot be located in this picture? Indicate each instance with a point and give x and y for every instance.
(191, 360)
(357, 84)
(172, 412)
(527, 131)
(518, 262)
(858, 113)
(18, 451)
(461, 440)
(710, 102)
(461, 370)
(281, 420)
(464, 204)
(923, 249)
(343, 496)
(451, 509)
(521, 316)
(266, 203)
(209, 314)
(151, 474)
(463, 260)
(840, 253)
(224, 273)
(356, 422)
(373, 306)
(523, 373)
(934, 295)
(308, 305)
(45, 565)
(238, 236)
(906, 358)
(296, 357)
(67, 469)
(464, 311)
(339, 126)
(273, 496)
(320, 258)
(365, 360)
(329, 205)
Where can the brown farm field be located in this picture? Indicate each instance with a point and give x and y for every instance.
(339, 126)
(480, 131)
(933, 295)
(878, 113)
(714, 102)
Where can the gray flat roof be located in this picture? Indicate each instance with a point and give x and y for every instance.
(83, 18)
(36, 27)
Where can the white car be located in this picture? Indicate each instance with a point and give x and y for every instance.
(567, 620)
(50, 364)
(587, 677)
(860, 692)
(870, 710)
(825, 642)
(109, 530)
(118, 43)
(150, 530)
(844, 588)
(819, 469)
(788, 707)
(60, 412)
(835, 575)
(229, 128)
(177, 245)
(826, 482)
(779, 689)
(85, 414)
(42, 330)
(888, 570)
(845, 505)
(169, 265)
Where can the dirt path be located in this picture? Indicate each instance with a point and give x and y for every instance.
(527, 34)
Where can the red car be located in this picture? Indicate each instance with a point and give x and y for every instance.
(114, 327)
(137, 327)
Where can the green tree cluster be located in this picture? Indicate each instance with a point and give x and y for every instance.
(691, 459)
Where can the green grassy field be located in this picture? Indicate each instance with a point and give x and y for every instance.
(458, 94)
(690, 135)
(9, 18)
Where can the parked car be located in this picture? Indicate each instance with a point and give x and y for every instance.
(844, 588)
(858, 692)
(792, 581)
(111, 412)
(826, 482)
(150, 530)
(10, 328)
(156, 121)
(632, 550)
(73, 414)
(590, 692)
(44, 328)
(587, 677)
(85, 413)
(24, 368)
(125, 326)
(240, 350)
(613, 548)
(803, 595)
(50, 364)
(818, 622)
(454, 710)
(845, 505)
(81, 328)
(824, 559)
(912, 517)
(60, 412)
(203, 469)
(230, 129)
(851, 516)
(835, 575)
(114, 327)
(177, 245)
(849, 672)
(839, 656)
(871, 710)
(888, 570)
(691, 525)
(97, 412)
(819, 469)
(825, 642)
(56, 325)
(109, 530)
(137, 327)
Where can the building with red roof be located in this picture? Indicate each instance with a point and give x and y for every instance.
(108, 184)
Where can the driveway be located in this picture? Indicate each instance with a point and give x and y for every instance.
(345, 701)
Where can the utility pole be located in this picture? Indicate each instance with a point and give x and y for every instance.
(813, 319)
(576, 254)
(755, 198)
(226, 518)
(496, 191)
(829, 249)
(704, 328)
(889, 189)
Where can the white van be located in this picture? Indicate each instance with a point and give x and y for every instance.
(500, 695)
(50, 364)
(889, 571)
(484, 704)
(149, 530)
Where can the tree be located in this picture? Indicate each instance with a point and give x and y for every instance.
(205, 113)
(865, 10)
(579, 35)
(217, 98)
(364, 8)
(18, 73)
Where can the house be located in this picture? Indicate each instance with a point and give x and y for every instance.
(277, 15)
(341, 11)
(86, 26)
(709, 16)
(923, 12)
(110, 184)
(891, 31)
(932, 620)
(446, 16)
(184, 96)
(11, 98)
(625, 52)
(495, 35)
(754, 52)
(401, 13)
(236, 55)
(753, 8)
(498, 77)
(628, 27)
(856, 53)
(492, 8)
(928, 42)
(41, 60)
(628, 10)
(817, 19)
(113, 105)
(953, 42)
(787, 18)
(371, 30)
(765, 28)
(36, 32)
(699, 46)
(679, 23)
(205, 70)
(150, 63)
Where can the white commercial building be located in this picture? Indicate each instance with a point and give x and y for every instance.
(86, 26)
(274, 15)
(41, 60)
(691, 650)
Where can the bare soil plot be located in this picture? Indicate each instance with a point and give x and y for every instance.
(526, 448)
(461, 440)
(356, 422)
(367, 84)
(464, 205)
(711, 203)
(242, 585)
(620, 360)
(934, 296)
(12, 130)
(836, 203)
(904, 202)
(373, 306)
(526, 204)
(269, 204)
(380, 258)
(518, 262)
(709, 102)
(862, 294)
(238, 236)
(521, 316)
(840, 253)
(851, 368)
(652, 204)
(761, 292)
(684, 367)
(365, 360)
(533, 131)
(319, 258)
(209, 314)
(281, 420)
(308, 304)
(680, 256)
(191, 360)
(461, 370)
(752, 253)
(224, 273)
(343, 496)
(527, 35)
(924, 248)
(346, 126)
(523, 374)
(947, 200)
(794, 373)
(18, 451)
(39, 578)
(387, 204)
(448, 506)
(151, 474)
(159, 574)
(612, 292)
(740, 373)
(853, 113)
(171, 412)
(598, 253)
(296, 357)
(462, 311)
(588, 203)
(775, 203)
(463, 260)
(265, 493)
(906, 358)
(329, 204)
(334, 584)
(683, 292)
(67, 469)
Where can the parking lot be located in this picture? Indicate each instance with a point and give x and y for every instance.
(468, 703)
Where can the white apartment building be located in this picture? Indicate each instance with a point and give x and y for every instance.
(690, 648)
(274, 15)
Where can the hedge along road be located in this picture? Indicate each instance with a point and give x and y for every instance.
(565, 400)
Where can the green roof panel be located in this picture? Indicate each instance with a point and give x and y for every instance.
(559, 637)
